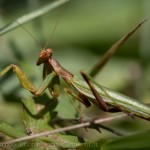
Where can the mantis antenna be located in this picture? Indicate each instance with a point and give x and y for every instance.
(27, 31)
(52, 34)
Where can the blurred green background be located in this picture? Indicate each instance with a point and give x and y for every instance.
(86, 29)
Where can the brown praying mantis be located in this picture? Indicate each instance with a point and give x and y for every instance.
(86, 91)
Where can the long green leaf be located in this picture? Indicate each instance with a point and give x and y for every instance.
(30, 16)
(140, 141)
(10, 131)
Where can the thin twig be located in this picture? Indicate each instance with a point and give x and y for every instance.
(112, 50)
(93, 126)
(46, 133)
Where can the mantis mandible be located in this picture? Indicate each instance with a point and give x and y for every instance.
(86, 91)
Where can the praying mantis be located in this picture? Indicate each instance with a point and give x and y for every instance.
(85, 90)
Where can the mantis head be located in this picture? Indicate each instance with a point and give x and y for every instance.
(44, 56)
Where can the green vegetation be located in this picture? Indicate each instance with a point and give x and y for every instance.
(85, 31)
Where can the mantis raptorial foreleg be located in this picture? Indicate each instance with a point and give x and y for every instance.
(25, 82)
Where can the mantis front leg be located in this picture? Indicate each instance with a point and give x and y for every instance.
(25, 82)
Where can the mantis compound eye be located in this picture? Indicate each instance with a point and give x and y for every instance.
(44, 56)
(49, 52)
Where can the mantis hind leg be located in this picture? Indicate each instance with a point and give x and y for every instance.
(98, 99)
(79, 96)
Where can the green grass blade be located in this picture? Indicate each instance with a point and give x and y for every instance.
(10, 131)
(139, 141)
(112, 50)
(30, 16)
